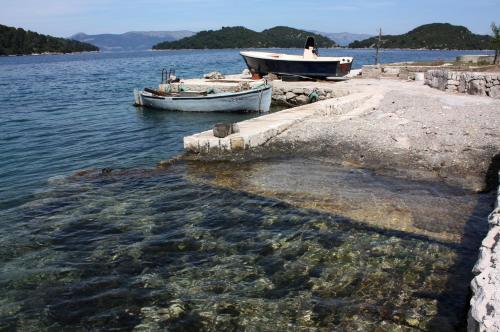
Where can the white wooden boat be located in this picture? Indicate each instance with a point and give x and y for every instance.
(257, 99)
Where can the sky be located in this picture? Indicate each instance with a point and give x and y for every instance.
(64, 18)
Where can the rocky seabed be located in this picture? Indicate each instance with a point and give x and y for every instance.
(484, 314)
(473, 83)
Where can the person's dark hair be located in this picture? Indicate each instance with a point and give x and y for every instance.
(310, 42)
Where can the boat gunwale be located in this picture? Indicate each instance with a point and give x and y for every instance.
(254, 55)
(214, 96)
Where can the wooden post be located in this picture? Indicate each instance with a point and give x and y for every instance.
(378, 45)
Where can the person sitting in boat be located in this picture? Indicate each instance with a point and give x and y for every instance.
(310, 50)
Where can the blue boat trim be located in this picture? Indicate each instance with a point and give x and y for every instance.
(208, 97)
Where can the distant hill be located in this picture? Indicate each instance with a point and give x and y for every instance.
(343, 38)
(241, 37)
(131, 41)
(14, 41)
(432, 36)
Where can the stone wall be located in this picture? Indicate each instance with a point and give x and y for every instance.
(402, 71)
(473, 83)
(475, 58)
(484, 314)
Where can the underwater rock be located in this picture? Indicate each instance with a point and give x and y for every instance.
(106, 170)
(83, 172)
(172, 312)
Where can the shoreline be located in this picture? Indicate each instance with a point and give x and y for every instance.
(212, 49)
(326, 48)
(47, 53)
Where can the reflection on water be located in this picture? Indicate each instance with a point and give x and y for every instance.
(150, 250)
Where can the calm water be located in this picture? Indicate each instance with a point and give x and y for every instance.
(148, 249)
(62, 113)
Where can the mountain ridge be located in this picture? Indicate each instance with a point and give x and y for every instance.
(131, 40)
(241, 37)
(343, 38)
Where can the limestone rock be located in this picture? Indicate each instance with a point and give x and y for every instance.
(462, 85)
(302, 100)
(272, 77)
(484, 314)
(222, 130)
(494, 91)
(290, 95)
(371, 71)
(477, 87)
(279, 98)
(391, 70)
(235, 128)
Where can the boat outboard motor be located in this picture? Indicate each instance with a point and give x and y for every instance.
(310, 50)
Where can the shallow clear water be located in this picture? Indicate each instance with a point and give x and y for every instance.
(147, 249)
(150, 249)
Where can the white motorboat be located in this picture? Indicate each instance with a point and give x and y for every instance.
(309, 65)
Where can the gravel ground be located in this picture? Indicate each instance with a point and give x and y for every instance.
(408, 128)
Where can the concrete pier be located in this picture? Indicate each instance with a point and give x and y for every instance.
(256, 132)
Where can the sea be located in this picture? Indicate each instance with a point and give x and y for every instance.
(142, 248)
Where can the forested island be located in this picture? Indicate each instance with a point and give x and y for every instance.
(432, 36)
(17, 41)
(241, 37)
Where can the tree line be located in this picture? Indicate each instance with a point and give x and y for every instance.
(17, 41)
(241, 37)
(432, 36)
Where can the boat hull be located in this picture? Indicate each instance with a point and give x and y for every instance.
(257, 100)
(306, 68)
